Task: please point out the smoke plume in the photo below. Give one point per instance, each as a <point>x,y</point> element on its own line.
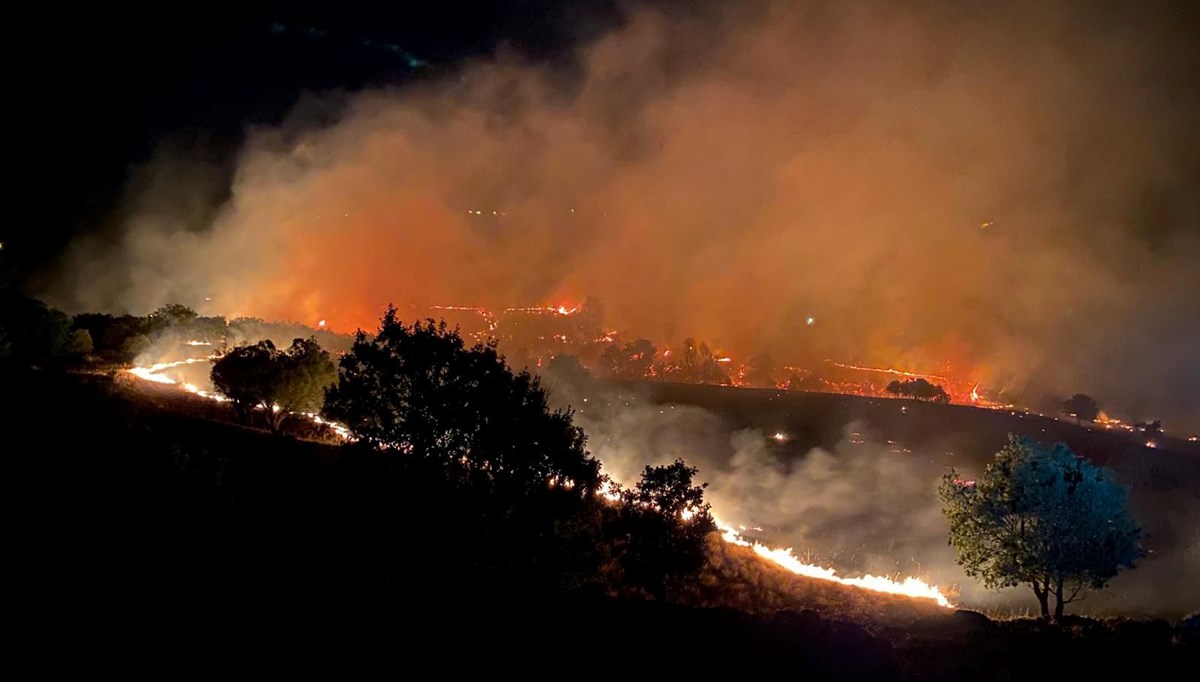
<point>1010,189</point>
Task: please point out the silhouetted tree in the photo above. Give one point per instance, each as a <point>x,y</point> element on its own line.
<point>919,389</point>
<point>565,366</point>
<point>1042,517</point>
<point>1082,407</point>
<point>81,343</point>
<point>118,339</point>
<point>244,375</point>
<point>697,364</point>
<point>277,382</point>
<point>630,361</point>
<point>419,390</point>
<point>664,526</point>
<point>34,333</point>
<point>171,315</point>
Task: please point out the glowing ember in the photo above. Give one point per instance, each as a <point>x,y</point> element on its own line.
<point>154,373</point>
<point>909,587</point>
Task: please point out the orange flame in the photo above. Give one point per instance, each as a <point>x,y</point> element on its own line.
<point>784,557</point>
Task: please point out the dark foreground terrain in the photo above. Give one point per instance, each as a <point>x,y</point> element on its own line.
<point>159,539</point>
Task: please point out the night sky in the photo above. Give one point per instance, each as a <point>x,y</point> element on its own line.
<point>107,85</point>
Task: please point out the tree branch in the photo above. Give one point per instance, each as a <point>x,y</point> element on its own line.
<point>1073,593</point>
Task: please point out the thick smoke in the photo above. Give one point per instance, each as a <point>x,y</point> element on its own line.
<point>868,505</point>
<point>1011,189</point>
<point>859,507</point>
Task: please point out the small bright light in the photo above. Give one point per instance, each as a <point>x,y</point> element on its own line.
<point>780,436</point>
<point>810,321</point>
<point>1151,444</point>
<point>321,323</point>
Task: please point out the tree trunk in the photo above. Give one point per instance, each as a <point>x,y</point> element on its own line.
<point>242,411</point>
<point>1058,600</point>
<point>1043,594</point>
<point>275,420</point>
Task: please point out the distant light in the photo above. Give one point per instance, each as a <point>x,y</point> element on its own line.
<point>1151,444</point>
<point>810,321</point>
<point>780,436</point>
<point>321,323</point>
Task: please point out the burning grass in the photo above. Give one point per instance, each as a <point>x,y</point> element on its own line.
<point>737,577</point>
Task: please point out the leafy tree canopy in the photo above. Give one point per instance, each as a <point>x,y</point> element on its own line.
<point>919,388</point>
<point>1082,407</point>
<point>420,390</point>
<point>31,333</point>
<point>665,523</point>
<point>171,315</point>
<point>698,364</point>
<point>1043,517</point>
<point>274,381</point>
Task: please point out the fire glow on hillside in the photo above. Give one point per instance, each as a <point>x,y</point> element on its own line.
<point>535,334</point>
<point>783,557</point>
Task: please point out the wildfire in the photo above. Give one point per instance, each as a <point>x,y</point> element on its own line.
<point>889,370</point>
<point>154,374</point>
<point>554,310</point>
<point>1110,423</point>
<point>909,587</point>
